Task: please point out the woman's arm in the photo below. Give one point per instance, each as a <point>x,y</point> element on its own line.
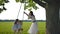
<point>26,14</point>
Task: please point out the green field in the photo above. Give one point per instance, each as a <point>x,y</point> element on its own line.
<point>6,27</point>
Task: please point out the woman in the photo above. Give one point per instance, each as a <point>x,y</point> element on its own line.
<point>33,29</point>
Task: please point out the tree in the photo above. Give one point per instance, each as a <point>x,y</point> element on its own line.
<point>29,4</point>
<point>2,3</point>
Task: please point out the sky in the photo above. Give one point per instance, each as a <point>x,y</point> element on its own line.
<point>13,9</point>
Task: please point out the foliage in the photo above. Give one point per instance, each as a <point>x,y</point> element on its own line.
<point>2,3</point>
<point>29,4</point>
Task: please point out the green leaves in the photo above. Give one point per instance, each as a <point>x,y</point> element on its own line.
<point>35,7</point>
<point>1,10</point>
<point>2,3</point>
<point>22,1</point>
<point>30,4</point>
<point>17,0</point>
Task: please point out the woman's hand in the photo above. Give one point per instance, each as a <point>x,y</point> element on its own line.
<point>24,13</point>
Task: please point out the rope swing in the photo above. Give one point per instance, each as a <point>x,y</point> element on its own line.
<point>20,9</point>
<point>20,22</point>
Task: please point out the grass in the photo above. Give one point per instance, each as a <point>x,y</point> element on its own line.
<point>6,27</point>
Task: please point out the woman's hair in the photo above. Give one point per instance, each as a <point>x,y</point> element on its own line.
<point>31,13</point>
<point>16,21</point>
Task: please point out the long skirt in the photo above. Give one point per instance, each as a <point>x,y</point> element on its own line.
<point>33,29</point>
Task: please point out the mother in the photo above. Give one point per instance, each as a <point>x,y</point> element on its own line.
<point>33,29</point>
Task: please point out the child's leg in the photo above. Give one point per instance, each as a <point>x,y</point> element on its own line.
<point>15,32</point>
<point>32,33</point>
<point>19,31</point>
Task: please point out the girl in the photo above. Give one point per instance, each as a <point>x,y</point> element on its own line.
<point>33,29</point>
<point>17,26</point>
<point>20,29</point>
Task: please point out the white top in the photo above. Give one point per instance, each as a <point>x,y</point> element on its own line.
<point>31,17</point>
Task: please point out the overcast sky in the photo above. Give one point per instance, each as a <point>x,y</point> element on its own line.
<point>13,8</point>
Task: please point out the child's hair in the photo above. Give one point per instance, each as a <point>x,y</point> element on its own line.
<point>16,21</point>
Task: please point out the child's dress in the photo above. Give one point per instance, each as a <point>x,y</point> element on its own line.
<point>33,29</point>
<point>16,26</point>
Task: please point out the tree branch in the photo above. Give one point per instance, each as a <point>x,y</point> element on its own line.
<point>40,3</point>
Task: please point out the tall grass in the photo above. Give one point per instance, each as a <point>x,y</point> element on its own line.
<point>6,27</point>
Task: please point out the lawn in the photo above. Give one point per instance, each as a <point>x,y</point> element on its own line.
<point>6,27</point>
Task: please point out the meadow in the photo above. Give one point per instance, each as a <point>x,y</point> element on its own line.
<point>6,27</point>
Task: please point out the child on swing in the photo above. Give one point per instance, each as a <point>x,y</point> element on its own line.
<point>20,29</point>
<point>17,26</point>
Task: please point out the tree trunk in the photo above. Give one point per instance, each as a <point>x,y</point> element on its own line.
<point>52,19</point>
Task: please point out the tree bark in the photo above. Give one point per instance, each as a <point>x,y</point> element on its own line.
<point>52,16</point>
<point>52,19</point>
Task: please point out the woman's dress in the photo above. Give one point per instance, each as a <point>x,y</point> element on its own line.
<point>33,29</point>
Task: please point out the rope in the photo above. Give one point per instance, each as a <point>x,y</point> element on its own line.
<point>23,13</point>
<point>19,11</point>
